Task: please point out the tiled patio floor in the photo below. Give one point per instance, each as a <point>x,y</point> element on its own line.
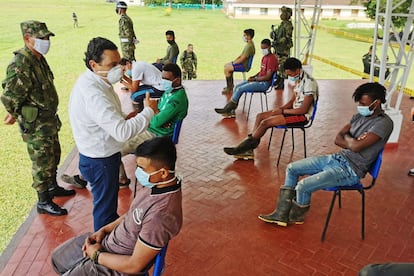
<point>222,198</point>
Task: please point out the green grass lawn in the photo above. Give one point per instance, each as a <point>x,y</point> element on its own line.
<point>216,40</point>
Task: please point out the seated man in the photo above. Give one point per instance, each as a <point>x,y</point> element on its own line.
<point>141,77</point>
<point>298,110</point>
<point>361,140</point>
<point>172,51</point>
<point>259,82</point>
<point>241,62</point>
<point>129,244</point>
<point>173,106</point>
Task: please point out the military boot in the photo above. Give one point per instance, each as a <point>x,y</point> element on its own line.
<point>280,216</point>
<point>55,190</point>
<point>298,212</point>
<point>45,205</point>
<point>249,143</point>
<point>228,110</point>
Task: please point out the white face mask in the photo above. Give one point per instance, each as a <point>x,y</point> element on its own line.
<point>244,39</point>
<point>114,75</point>
<point>265,52</point>
<point>41,46</point>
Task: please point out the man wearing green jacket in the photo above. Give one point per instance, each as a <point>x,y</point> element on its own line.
<point>173,106</point>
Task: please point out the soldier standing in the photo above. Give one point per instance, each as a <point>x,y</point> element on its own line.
<point>30,97</point>
<point>126,32</point>
<point>75,20</point>
<point>282,42</point>
<point>189,63</point>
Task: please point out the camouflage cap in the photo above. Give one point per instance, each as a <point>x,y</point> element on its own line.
<point>287,10</point>
<point>35,28</point>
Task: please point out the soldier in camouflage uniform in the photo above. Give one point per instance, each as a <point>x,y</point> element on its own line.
<point>189,63</point>
<point>126,32</point>
<point>30,97</point>
<point>282,43</point>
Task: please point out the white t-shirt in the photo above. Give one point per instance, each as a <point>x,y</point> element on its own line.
<point>147,74</point>
<point>98,124</point>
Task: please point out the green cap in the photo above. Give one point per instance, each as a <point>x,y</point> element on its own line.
<point>287,10</point>
<point>35,28</point>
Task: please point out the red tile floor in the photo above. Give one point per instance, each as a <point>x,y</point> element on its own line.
<point>222,197</point>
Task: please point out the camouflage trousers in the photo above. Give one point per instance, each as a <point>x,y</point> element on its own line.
<point>44,151</point>
<point>188,70</point>
<point>128,50</point>
<point>282,59</point>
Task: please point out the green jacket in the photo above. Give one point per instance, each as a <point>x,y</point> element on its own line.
<point>173,106</point>
<point>284,38</point>
<point>126,28</point>
<point>171,55</point>
<point>29,93</point>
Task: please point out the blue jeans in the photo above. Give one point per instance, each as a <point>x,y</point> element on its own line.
<point>102,175</point>
<point>246,86</point>
<point>324,172</point>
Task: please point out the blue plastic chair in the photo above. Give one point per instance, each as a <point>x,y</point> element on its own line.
<point>249,65</point>
<point>292,127</point>
<point>268,90</point>
<point>159,263</point>
<point>373,171</point>
<point>174,138</point>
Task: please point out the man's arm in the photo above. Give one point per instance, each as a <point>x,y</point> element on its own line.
<point>346,141</point>
<point>240,59</point>
<point>307,102</point>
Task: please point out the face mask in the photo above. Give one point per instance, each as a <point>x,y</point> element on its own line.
<point>41,46</point>
<point>364,110</point>
<point>244,39</point>
<point>265,52</point>
<point>114,75</point>
<point>166,85</point>
<point>170,41</point>
<point>128,73</point>
<point>293,79</point>
<point>143,178</point>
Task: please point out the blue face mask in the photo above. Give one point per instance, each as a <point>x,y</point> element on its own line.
<point>166,85</point>
<point>365,111</point>
<point>143,178</point>
<point>128,73</point>
<point>293,79</point>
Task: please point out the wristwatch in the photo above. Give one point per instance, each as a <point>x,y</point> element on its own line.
<point>95,256</point>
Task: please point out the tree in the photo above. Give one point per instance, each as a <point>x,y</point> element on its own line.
<point>399,22</point>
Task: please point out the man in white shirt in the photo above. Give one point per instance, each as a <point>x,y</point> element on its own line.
<point>100,128</point>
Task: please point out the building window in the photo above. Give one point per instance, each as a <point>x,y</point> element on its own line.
<point>355,12</point>
<point>263,11</point>
<point>337,12</point>
<point>245,11</point>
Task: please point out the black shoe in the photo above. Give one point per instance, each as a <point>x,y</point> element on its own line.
<point>74,180</point>
<point>411,172</point>
<point>50,208</point>
<point>232,151</point>
<point>280,85</point>
<point>59,191</point>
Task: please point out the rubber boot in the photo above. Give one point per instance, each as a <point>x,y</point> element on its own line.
<point>247,144</point>
<point>298,212</point>
<point>45,205</point>
<point>280,216</point>
<point>228,110</point>
<point>55,190</point>
<point>230,82</point>
<point>280,84</point>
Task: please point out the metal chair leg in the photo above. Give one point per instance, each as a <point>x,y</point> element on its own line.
<point>281,147</point>
<point>328,218</point>
<point>270,139</point>
<point>244,103</point>
<point>363,214</point>
<point>250,104</point>
<point>293,140</point>
<point>304,140</point>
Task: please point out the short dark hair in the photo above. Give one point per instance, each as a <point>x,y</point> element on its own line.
<point>170,32</point>
<point>95,49</point>
<point>173,68</point>
<point>292,64</point>
<point>266,41</point>
<point>373,90</point>
<point>160,150</point>
<point>249,32</point>
<point>124,61</point>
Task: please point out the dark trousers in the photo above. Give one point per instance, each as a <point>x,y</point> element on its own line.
<point>102,175</point>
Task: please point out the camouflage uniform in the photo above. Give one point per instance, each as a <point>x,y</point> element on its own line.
<point>30,97</point>
<point>189,64</point>
<point>127,37</point>
<point>282,39</point>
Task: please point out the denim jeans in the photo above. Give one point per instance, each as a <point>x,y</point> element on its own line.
<point>246,86</point>
<point>324,172</point>
<point>102,175</point>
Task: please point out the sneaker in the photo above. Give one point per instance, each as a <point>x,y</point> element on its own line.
<point>75,180</point>
<point>125,185</point>
<point>247,155</point>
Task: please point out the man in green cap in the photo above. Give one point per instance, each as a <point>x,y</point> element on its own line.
<point>30,97</point>
<point>282,43</point>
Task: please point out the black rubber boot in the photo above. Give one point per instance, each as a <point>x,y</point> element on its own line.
<point>45,205</point>
<point>247,144</point>
<point>227,109</point>
<point>230,82</point>
<point>298,212</point>
<point>280,216</point>
<point>55,190</point>
<point>280,84</point>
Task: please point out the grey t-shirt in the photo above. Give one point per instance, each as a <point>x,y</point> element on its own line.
<point>380,125</point>
<point>155,216</point>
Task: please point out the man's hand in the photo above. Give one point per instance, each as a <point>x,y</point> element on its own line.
<point>9,119</point>
<point>90,246</point>
<point>132,114</point>
<point>252,78</point>
<point>152,103</point>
